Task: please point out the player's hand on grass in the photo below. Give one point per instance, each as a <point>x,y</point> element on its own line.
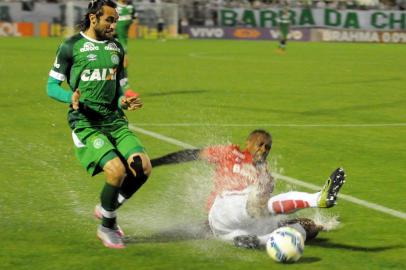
<point>131,103</point>
<point>75,99</point>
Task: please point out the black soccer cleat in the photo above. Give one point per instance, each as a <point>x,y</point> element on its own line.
<point>247,241</point>
<point>329,192</point>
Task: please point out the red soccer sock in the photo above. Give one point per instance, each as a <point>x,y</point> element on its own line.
<point>292,201</point>
<point>288,206</point>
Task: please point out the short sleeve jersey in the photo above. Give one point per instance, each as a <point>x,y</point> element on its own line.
<point>95,68</point>
<point>234,170</point>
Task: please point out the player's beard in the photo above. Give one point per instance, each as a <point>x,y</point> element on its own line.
<point>103,34</point>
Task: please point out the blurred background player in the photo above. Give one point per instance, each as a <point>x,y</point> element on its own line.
<point>241,207</point>
<point>127,14</point>
<point>92,63</point>
<point>160,27</point>
<point>284,24</point>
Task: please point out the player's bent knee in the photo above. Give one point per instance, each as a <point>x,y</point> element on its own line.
<point>115,171</point>
<point>140,162</point>
<point>141,167</point>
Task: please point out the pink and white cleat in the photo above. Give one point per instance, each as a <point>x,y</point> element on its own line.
<point>98,214</point>
<point>110,237</point>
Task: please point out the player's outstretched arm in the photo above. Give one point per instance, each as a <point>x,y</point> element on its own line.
<point>55,91</point>
<point>177,157</point>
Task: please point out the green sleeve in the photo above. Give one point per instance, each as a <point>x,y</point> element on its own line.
<point>55,91</point>
<point>63,62</point>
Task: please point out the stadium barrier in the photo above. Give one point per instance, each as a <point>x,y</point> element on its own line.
<point>296,34</point>
<point>324,25</point>
<point>244,33</point>
<point>329,35</point>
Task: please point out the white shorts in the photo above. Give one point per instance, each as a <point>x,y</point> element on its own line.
<point>228,217</point>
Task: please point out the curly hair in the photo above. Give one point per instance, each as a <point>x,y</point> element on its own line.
<point>95,7</point>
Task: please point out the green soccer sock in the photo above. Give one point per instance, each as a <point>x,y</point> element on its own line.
<point>108,198</point>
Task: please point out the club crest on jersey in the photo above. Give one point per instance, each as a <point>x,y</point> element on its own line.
<point>103,74</point>
<point>112,47</point>
<point>115,59</point>
<point>88,47</point>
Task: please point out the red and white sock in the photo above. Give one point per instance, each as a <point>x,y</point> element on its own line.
<point>290,202</point>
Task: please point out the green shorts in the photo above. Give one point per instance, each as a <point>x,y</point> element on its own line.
<point>97,145</point>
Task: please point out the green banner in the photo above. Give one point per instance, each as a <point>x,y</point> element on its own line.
<point>331,18</point>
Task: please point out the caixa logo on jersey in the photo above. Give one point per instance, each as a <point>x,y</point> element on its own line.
<point>103,74</point>
<point>88,47</point>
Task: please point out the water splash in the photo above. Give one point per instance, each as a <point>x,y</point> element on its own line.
<point>329,221</point>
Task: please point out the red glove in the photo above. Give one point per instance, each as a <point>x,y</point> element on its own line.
<point>130,93</point>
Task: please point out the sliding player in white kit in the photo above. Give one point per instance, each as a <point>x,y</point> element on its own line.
<point>241,206</point>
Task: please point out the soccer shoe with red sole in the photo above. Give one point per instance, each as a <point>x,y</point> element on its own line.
<point>110,237</point>
<point>98,214</point>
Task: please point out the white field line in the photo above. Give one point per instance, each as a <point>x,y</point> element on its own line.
<point>288,179</point>
<point>268,125</point>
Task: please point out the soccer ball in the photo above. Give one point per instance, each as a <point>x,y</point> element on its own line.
<point>285,245</point>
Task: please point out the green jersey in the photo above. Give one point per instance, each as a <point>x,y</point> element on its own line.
<point>96,69</point>
<point>125,12</point>
<point>284,22</point>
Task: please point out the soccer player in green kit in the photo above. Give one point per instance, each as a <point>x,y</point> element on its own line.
<point>92,63</point>
<point>126,13</point>
<point>283,23</point>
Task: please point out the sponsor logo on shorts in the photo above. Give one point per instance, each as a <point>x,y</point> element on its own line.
<point>88,47</point>
<point>98,143</point>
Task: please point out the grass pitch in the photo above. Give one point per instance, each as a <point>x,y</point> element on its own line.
<point>327,105</point>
